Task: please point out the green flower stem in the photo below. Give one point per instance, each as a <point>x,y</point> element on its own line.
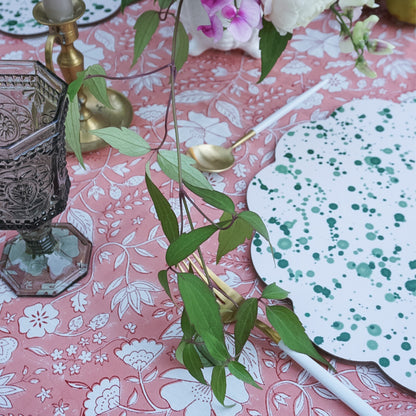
<point>346,30</point>
<point>173,74</point>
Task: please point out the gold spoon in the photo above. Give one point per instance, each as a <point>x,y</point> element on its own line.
<point>212,158</point>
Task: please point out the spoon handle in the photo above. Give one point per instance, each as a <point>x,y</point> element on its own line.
<point>251,133</point>
<point>289,107</point>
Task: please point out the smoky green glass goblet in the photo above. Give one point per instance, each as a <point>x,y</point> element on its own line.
<point>44,258</point>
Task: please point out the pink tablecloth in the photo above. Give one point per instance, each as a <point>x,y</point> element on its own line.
<point>106,345</point>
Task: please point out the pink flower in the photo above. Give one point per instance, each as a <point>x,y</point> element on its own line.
<point>214,6</point>
<point>214,30</point>
<point>240,20</point>
<point>243,19</point>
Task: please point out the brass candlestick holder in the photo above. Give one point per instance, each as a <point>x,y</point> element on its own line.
<point>94,115</point>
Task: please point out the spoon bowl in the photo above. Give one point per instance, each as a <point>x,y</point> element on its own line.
<point>212,158</point>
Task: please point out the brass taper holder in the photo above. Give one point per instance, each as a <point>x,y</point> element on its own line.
<point>94,115</point>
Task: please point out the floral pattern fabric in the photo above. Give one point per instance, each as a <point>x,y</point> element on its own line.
<point>106,345</point>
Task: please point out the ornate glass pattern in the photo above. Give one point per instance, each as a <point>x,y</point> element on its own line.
<point>34,182</point>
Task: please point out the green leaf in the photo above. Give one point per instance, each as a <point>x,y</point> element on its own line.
<point>187,243</point>
<point>219,383</point>
<point>231,237</point>
<point>193,362</point>
<point>72,129</point>
<point>245,319</point>
<point>214,198</point>
<point>179,351</point>
<point>290,329</point>
<point>187,328</point>
<point>256,222</point>
<point>164,210</point>
<point>163,280</point>
<point>206,358</point>
<point>272,44</point>
<point>75,85</point>
<point>239,371</point>
<point>146,26</point>
<point>125,3</point>
<point>273,291</point>
<point>97,85</point>
<point>200,305</point>
<point>182,47</point>
<point>216,347</point>
<point>164,4</point>
<point>124,140</point>
<point>168,162</point>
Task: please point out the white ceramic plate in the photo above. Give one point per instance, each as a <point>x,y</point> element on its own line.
<point>16,17</point>
<point>340,206</point>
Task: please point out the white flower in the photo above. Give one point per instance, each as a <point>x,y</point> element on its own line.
<point>71,350</point>
<point>38,320</point>
<point>316,43</point>
<point>344,4</point>
<point>6,294</point>
<point>139,353</point>
<point>85,356</point>
<point>399,68</point>
<point>216,181</point>
<point>14,55</point>
<point>104,396</point>
<point>146,82</point>
<point>151,113</point>
<point>74,369</point>
<point>133,295</point>
<point>56,354</point>
<point>44,394</point>
<point>7,346</point>
<point>336,82</point>
<point>296,67</point>
<point>408,97</point>
<point>95,192</point>
<point>59,368</point>
<point>201,129</point>
<point>197,399</point>
<point>287,15</point>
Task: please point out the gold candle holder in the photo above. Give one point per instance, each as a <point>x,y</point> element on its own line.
<point>94,115</point>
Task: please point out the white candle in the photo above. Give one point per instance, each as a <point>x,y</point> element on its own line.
<point>58,10</point>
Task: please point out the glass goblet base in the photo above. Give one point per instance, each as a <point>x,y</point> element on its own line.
<point>32,271</point>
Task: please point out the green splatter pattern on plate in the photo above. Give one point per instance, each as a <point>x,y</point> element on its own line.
<point>340,205</point>
<point>16,17</point>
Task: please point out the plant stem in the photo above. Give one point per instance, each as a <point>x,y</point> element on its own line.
<point>173,73</point>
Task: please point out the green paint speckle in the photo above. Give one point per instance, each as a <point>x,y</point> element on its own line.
<point>318,340</point>
<point>283,263</point>
<point>320,289</point>
<point>282,169</point>
<point>384,362</point>
<point>406,346</point>
<point>410,285</point>
<point>284,244</point>
<point>344,336</point>
<point>399,217</point>
<point>374,330</point>
<point>331,222</point>
<point>372,345</point>
<point>364,270</point>
<point>338,325</point>
<point>342,244</point>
